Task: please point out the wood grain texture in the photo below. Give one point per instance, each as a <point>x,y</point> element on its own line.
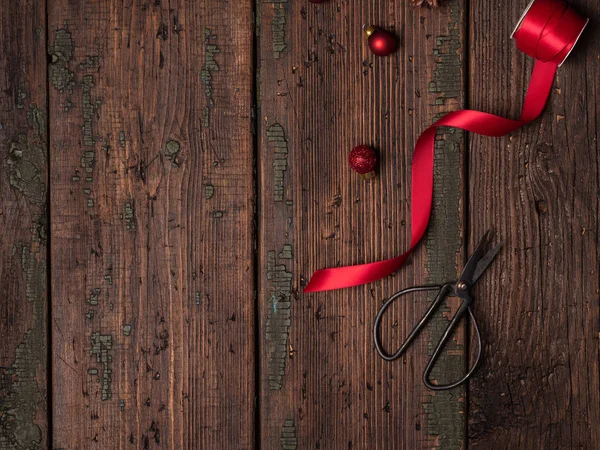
<point>322,92</point>
<point>539,187</point>
<point>152,238</point>
<point>152,206</point>
<point>23,225</point>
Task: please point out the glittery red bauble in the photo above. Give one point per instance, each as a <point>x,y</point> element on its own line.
<point>363,159</point>
<point>382,42</point>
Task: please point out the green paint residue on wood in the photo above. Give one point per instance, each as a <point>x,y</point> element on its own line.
<point>101,349</point>
<point>25,160</point>
<point>288,438</point>
<point>94,295</point>
<point>61,53</point>
<point>447,83</point>
<point>19,389</point>
<point>88,157</point>
<point>278,27</point>
<point>88,110</point>
<point>108,275</point>
<point>286,252</point>
<point>22,381</point>
<point>276,136</point>
<point>88,162</point>
<point>172,150</point>
<point>446,409</point>
<point>257,19</point>
<point>67,105</point>
<point>209,191</point>
<point>279,318</point>
<point>22,95</point>
<point>210,66</point>
<point>91,62</point>
<point>37,119</point>
<point>129,215</point>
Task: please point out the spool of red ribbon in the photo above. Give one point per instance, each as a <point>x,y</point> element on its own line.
<point>547,31</point>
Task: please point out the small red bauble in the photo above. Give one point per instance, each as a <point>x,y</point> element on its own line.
<point>363,160</point>
<point>381,42</point>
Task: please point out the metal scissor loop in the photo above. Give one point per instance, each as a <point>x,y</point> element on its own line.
<point>474,268</point>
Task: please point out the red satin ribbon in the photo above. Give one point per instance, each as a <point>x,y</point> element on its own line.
<point>548,32</point>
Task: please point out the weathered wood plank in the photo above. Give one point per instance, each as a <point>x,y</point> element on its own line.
<point>539,187</point>
<point>321,93</point>
<point>23,224</point>
<point>152,206</point>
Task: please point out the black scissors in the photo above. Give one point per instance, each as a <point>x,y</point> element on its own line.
<point>476,265</point>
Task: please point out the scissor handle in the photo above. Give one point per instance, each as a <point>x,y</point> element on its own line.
<point>463,308</point>
<point>443,292</point>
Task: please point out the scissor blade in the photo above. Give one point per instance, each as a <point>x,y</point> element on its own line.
<point>476,256</point>
<point>485,262</point>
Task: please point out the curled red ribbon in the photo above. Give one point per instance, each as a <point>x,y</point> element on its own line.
<point>548,32</point>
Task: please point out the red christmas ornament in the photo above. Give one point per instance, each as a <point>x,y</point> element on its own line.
<point>363,160</point>
<point>381,42</point>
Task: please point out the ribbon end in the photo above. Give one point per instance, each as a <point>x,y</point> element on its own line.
<point>315,283</point>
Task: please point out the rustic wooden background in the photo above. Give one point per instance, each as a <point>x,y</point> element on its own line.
<point>172,172</point>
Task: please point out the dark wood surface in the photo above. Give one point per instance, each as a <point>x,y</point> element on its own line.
<point>24,401</point>
<point>151,216</point>
<point>539,386</point>
<point>321,92</point>
<point>182,168</point>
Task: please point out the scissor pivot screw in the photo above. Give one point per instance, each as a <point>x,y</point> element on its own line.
<point>462,286</point>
